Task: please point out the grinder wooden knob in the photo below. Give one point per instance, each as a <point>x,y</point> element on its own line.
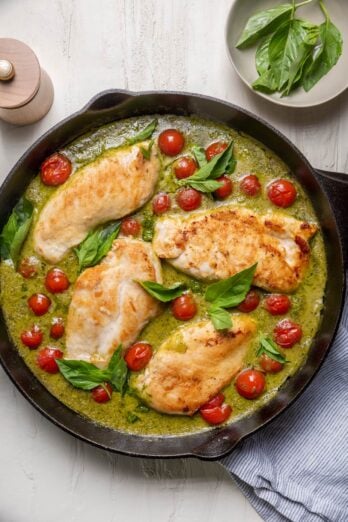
<point>26,90</point>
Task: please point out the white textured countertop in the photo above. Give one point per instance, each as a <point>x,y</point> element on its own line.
<point>88,46</point>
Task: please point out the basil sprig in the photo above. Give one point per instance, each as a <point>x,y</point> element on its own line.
<point>147,152</point>
<point>226,294</point>
<point>204,179</point>
<point>162,293</point>
<point>199,154</point>
<point>96,245</point>
<point>16,229</point>
<point>143,135</point>
<point>268,347</point>
<point>87,376</point>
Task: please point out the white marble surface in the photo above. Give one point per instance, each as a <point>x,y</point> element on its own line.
<point>88,46</point>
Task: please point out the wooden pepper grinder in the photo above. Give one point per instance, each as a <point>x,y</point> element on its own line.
<point>26,90</point>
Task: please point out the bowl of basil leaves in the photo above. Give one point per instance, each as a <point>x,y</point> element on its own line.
<point>290,53</point>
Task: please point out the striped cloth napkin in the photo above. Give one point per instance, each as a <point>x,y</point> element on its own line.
<point>296,468</point>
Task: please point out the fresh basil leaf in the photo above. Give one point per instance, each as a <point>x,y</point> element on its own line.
<point>220,318</point>
<point>117,371</point>
<point>145,134</point>
<point>147,152</point>
<point>205,186</point>
<point>132,417</point>
<point>265,83</point>
<point>81,374</point>
<point>162,293</point>
<point>268,347</point>
<point>263,23</point>
<point>231,291</point>
<point>16,230</point>
<point>262,56</point>
<point>96,245</point>
<point>199,154</point>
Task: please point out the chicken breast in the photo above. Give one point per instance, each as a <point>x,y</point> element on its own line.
<point>194,364</point>
<point>109,188</point>
<point>216,244</point>
<point>107,306</point>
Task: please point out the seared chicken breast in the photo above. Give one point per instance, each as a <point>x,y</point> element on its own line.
<point>194,364</point>
<point>107,306</point>
<point>216,244</point>
<point>109,188</point>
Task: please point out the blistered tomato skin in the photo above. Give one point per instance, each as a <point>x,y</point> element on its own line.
<point>28,267</point>
<point>287,333</point>
<point>100,394</point>
<point>189,199</point>
<point>138,356</point>
<point>277,304</point>
<point>39,304</point>
<point>56,281</point>
<point>57,328</point>
<point>250,384</point>
<point>225,190</point>
<point>32,338</point>
<point>282,193</point>
<point>250,303</point>
<point>215,401</point>
<point>161,203</point>
<point>214,149</point>
<point>217,414</point>
<point>184,167</point>
<point>250,185</point>
<point>184,307</point>
<point>171,142</point>
<point>55,170</point>
<point>46,359</point>
<point>269,365</point>
<point>130,227</point>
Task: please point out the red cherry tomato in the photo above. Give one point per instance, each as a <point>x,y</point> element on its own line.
<point>250,303</point>
<point>277,304</point>
<point>214,149</point>
<point>250,384</point>
<point>270,365</point>
<point>282,193</point>
<point>57,328</point>
<point>161,203</point>
<point>171,142</point>
<point>185,167</point>
<point>56,281</point>
<point>215,401</point>
<point>55,170</point>
<point>32,338</point>
<point>216,415</point>
<point>28,267</point>
<point>130,227</point>
<point>184,307</point>
<point>226,189</point>
<point>39,303</point>
<point>287,333</point>
<point>100,394</point>
<point>46,359</point>
<point>189,199</point>
<point>250,185</point>
<point>138,355</point>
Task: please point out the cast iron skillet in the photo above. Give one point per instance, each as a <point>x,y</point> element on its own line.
<point>114,105</point>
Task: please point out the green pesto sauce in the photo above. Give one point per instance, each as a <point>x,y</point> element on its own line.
<point>307,301</point>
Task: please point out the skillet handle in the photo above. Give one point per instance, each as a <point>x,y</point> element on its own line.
<point>107,100</point>
<point>335,185</point>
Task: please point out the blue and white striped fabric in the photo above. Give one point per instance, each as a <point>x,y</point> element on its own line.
<point>296,469</point>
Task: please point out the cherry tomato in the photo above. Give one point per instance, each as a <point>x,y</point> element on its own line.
<point>32,338</point>
<point>250,303</point>
<point>215,401</point>
<point>56,281</point>
<point>226,189</point>
<point>130,227</point>
<point>102,393</point>
<point>161,203</point>
<point>270,365</point>
<point>277,304</point>
<point>282,193</point>
<point>55,170</point>
<point>189,199</point>
<point>214,149</point>
<point>138,355</point>
<point>250,384</point>
<point>28,267</point>
<point>171,142</point>
<point>184,307</point>
<point>250,185</point>
<point>216,415</point>
<point>287,333</point>
<point>185,167</point>
<point>57,328</point>
<point>46,359</point>
<point>39,303</point>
